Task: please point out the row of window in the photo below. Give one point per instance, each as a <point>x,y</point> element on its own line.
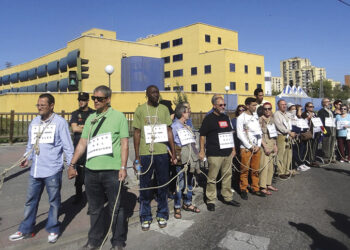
<point>178,41</point>
<point>207,70</point>
<point>207,87</point>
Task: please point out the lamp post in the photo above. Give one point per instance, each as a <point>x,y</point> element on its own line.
<point>227,88</point>
<point>109,69</point>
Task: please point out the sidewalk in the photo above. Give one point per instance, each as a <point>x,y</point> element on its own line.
<point>74,218</point>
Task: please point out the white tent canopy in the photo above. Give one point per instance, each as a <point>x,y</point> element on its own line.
<point>289,91</point>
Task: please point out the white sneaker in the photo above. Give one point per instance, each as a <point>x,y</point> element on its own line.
<point>341,161</point>
<point>52,238</point>
<point>306,167</point>
<point>302,168</point>
<point>17,236</point>
<point>233,190</point>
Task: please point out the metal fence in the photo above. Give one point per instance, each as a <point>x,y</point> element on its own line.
<point>14,126</point>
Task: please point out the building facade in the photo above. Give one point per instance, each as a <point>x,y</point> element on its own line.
<point>268,88</point>
<point>204,58</point>
<point>276,83</point>
<point>347,80</point>
<point>298,71</point>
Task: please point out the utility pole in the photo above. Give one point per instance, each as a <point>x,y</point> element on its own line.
<point>321,84</point>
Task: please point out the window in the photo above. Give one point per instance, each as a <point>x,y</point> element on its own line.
<point>165,45</point>
<point>178,72</point>
<point>232,67</point>
<point>166,59</point>
<point>194,87</point>
<point>176,88</point>
<point>166,74</point>
<point>194,71</point>
<point>208,86</point>
<point>246,69</point>
<point>207,69</point>
<point>177,42</point>
<point>207,38</point>
<point>258,70</point>
<point>219,40</point>
<point>232,85</point>
<point>177,57</point>
<point>259,86</point>
<point>246,86</point>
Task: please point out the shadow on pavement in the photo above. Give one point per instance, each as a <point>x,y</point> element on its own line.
<point>320,241</point>
<point>69,209</point>
<point>338,170</point>
<point>16,174</point>
<point>341,221</point>
<point>128,202</point>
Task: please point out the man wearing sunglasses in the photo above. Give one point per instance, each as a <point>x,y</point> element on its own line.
<point>217,143</point>
<point>105,137</point>
<point>48,139</point>
<point>329,137</point>
<point>151,153</point>
<point>77,122</point>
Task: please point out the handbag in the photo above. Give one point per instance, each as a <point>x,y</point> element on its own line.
<point>306,136</point>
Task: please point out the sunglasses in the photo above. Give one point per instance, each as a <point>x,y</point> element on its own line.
<point>99,98</point>
<point>269,109</point>
<point>222,105</point>
<point>310,106</point>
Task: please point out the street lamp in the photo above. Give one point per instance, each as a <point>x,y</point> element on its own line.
<point>109,69</point>
<point>227,88</point>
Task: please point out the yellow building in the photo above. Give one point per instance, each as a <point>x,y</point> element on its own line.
<point>99,47</point>
<point>201,57</point>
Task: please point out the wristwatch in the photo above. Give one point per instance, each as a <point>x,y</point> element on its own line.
<point>122,168</point>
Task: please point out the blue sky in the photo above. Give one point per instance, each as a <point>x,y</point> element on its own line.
<point>277,29</point>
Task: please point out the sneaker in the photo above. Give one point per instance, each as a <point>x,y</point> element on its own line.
<point>306,167</point>
<point>88,246</point>
<point>145,225</point>
<point>52,238</point>
<point>341,161</point>
<point>19,236</point>
<point>161,222</point>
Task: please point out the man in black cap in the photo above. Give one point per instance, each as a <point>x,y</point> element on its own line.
<point>77,122</point>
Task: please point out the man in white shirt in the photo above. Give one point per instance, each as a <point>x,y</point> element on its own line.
<point>250,134</point>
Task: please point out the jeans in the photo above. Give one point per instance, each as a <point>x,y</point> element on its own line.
<point>98,185</point>
<point>160,167</point>
<point>187,198</point>
<point>35,189</point>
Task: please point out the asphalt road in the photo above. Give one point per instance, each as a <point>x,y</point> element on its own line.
<point>310,211</point>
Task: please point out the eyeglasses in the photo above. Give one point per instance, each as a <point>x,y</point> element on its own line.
<point>99,98</point>
<point>344,109</point>
<point>269,109</point>
<point>310,106</point>
<point>222,105</point>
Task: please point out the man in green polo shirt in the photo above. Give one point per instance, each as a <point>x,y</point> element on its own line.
<point>152,134</point>
<point>105,135</point>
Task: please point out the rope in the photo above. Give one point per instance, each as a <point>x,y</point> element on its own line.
<point>114,207</point>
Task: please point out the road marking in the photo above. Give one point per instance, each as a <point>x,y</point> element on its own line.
<point>175,227</point>
<point>244,241</point>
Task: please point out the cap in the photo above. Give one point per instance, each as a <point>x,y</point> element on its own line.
<point>83,96</point>
<point>290,104</point>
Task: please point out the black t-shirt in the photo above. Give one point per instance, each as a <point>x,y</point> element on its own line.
<point>79,117</point>
<point>212,125</point>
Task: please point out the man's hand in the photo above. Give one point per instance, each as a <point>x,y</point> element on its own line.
<point>122,174</point>
<point>24,163</point>
<point>173,159</point>
<point>267,152</point>
<point>71,172</point>
<point>275,149</point>
<point>201,155</point>
<point>255,149</point>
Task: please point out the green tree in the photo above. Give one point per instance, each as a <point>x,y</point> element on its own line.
<point>275,92</point>
<point>180,95</point>
<point>327,89</point>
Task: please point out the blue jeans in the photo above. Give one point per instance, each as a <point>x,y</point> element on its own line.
<point>35,189</point>
<point>186,197</point>
<point>98,185</point>
<point>160,167</point>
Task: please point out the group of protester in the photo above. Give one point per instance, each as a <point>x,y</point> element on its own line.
<point>252,143</point>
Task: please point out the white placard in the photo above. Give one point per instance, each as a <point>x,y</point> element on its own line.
<point>301,123</point>
<point>317,121</point>
<point>272,130</point>
<point>100,145</point>
<point>47,137</point>
<point>342,124</point>
<point>330,122</point>
<point>348,133</point>
<point>226,140</point>
<point>158,132</point>
<point>186,137</point>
